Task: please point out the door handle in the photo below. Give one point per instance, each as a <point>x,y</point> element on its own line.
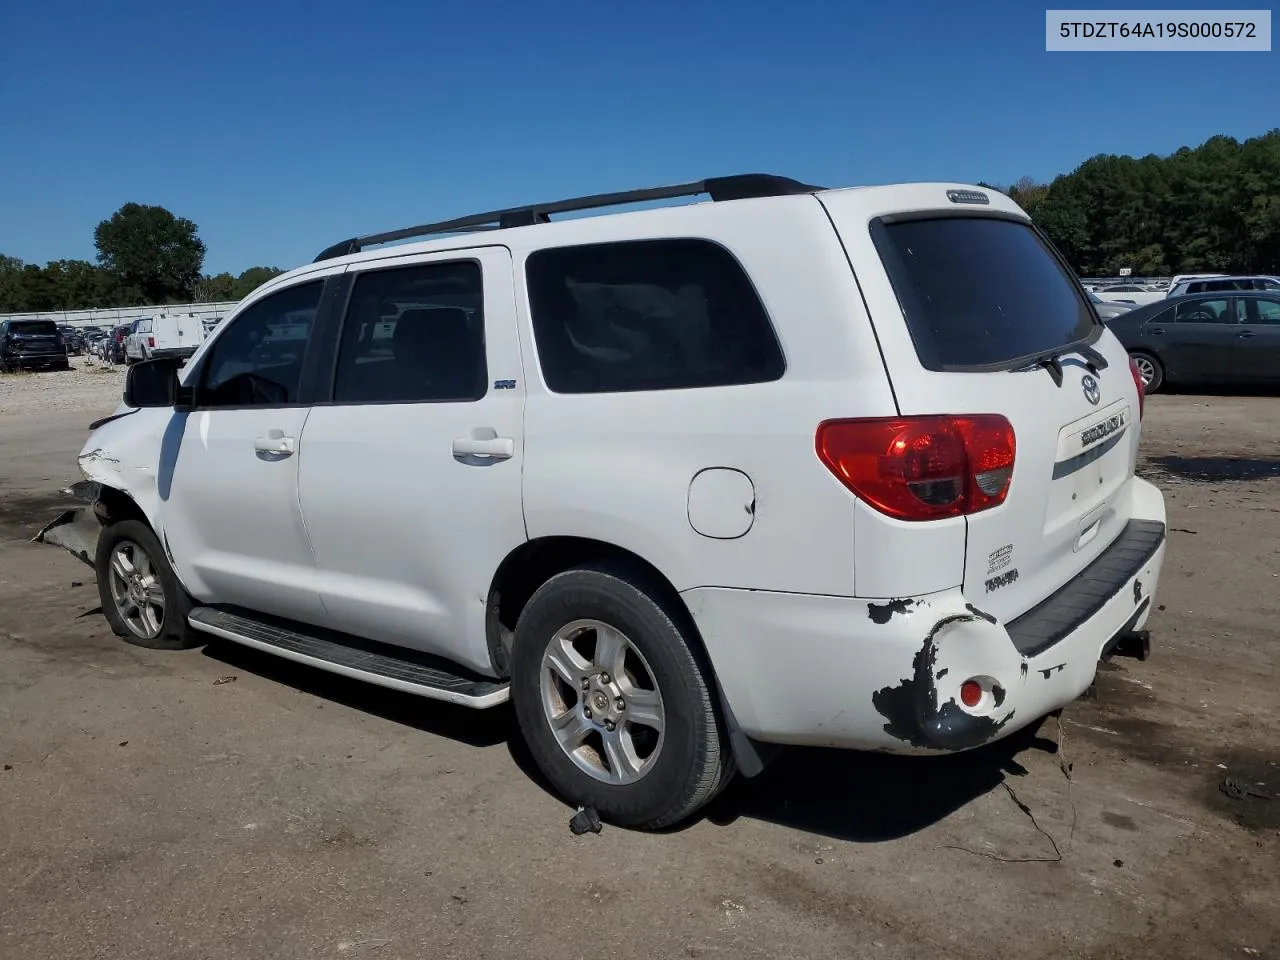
<point>499,448</point>
<point>1156,331</point>
<point>275,445</point>
<point>1245,334</point>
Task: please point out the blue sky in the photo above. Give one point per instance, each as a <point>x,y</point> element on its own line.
<point>281,127</point>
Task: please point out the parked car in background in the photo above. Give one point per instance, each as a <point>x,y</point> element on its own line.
<point>1183,277</point>
<point>164,335</point>
<point>1219,284</point>
<point>1108,309</point>
<point>72,339</point>
<point>31,345</point>
<point>93,336</point>
<point>113,352</point>
<point>1129,293</point>
<point>1227,338</point>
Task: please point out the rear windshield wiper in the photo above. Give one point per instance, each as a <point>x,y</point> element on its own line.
<point>1052,361</point>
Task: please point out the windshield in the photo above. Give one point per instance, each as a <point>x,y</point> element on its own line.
<point>980,291</point>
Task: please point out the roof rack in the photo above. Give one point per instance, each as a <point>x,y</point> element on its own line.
<point>738,187</point>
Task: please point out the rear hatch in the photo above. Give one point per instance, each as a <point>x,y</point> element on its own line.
<point>34,337</point>
<point>977,314</point>
<point>190,332</point>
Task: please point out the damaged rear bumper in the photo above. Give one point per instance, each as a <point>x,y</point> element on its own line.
<point>886,675</point>
<point>76,530</point>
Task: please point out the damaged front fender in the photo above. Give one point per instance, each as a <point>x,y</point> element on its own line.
<point>119,462</point>
<point>76,530</point>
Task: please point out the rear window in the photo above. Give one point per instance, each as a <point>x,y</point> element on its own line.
<point>980,291</point>
<point>43,327</point>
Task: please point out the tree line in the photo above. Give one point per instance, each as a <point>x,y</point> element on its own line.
<point>1211,208</point>
<point>1214,208</point>
<point>146,255</point>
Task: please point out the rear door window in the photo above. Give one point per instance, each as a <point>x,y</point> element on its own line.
<point>671,314</point>
<point>1262,311</point>
<point>980,292</point>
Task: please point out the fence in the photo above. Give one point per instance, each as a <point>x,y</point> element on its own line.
<point>110,316</point>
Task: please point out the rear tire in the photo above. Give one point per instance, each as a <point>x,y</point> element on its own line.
<point>141,597</point>
<point>1150,369</point>
<point>613,700</point>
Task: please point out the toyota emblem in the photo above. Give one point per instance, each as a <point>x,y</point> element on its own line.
<point>1092,392</point>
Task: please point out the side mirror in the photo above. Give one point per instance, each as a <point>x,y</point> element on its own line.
<point>153,383</point>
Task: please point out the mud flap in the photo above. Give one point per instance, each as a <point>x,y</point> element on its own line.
<point>76,531</point>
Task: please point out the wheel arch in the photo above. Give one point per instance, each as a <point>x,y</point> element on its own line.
<point>114,504</point>
<point>536,561</point>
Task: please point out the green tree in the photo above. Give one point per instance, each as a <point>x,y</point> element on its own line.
<point>224,287</point>
<point>219,288</point>
<point>1215,207</point>
<point>154,256</point>
<point>11,289</point>
<point>253,278</point>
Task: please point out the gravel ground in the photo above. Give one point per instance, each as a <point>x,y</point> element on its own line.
<point>218,803</point>
<point>86,386</point>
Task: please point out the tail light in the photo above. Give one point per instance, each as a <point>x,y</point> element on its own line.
<point>151,342</point>
<point>1142,387</point>
<point>922,468</point>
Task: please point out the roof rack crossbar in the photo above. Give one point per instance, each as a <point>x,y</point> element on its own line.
<point>739,187</point>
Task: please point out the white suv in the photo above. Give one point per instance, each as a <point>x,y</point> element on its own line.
<point>847,467</point>
<point>1214,284</point>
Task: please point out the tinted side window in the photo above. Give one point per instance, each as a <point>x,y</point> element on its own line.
<point>1262,311</point>
<point>648,315</point>
<point>414,335</point>
<point>258,360</point>
<point>1203,311</point>
<point>981,291</point>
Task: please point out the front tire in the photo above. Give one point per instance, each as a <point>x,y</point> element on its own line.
<point>613,700</point>
<point>1150,369</point>
<point>141,597</point>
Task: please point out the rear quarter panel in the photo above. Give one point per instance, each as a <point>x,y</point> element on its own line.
<point>618,467</point>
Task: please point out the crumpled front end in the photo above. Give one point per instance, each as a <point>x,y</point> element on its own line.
<point>77,530</point>
<point>119,462</point>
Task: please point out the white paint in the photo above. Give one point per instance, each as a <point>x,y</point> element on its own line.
<point>406,535</point>
<point>1039,517</point>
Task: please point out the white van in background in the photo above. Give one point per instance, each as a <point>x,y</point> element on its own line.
<point>164,335</point>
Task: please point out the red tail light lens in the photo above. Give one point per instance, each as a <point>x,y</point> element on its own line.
<point>1142,388</point>
<point>151,342</point>
<point>922,468</point>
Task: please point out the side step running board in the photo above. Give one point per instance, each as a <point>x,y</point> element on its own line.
<point>379,663</point>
